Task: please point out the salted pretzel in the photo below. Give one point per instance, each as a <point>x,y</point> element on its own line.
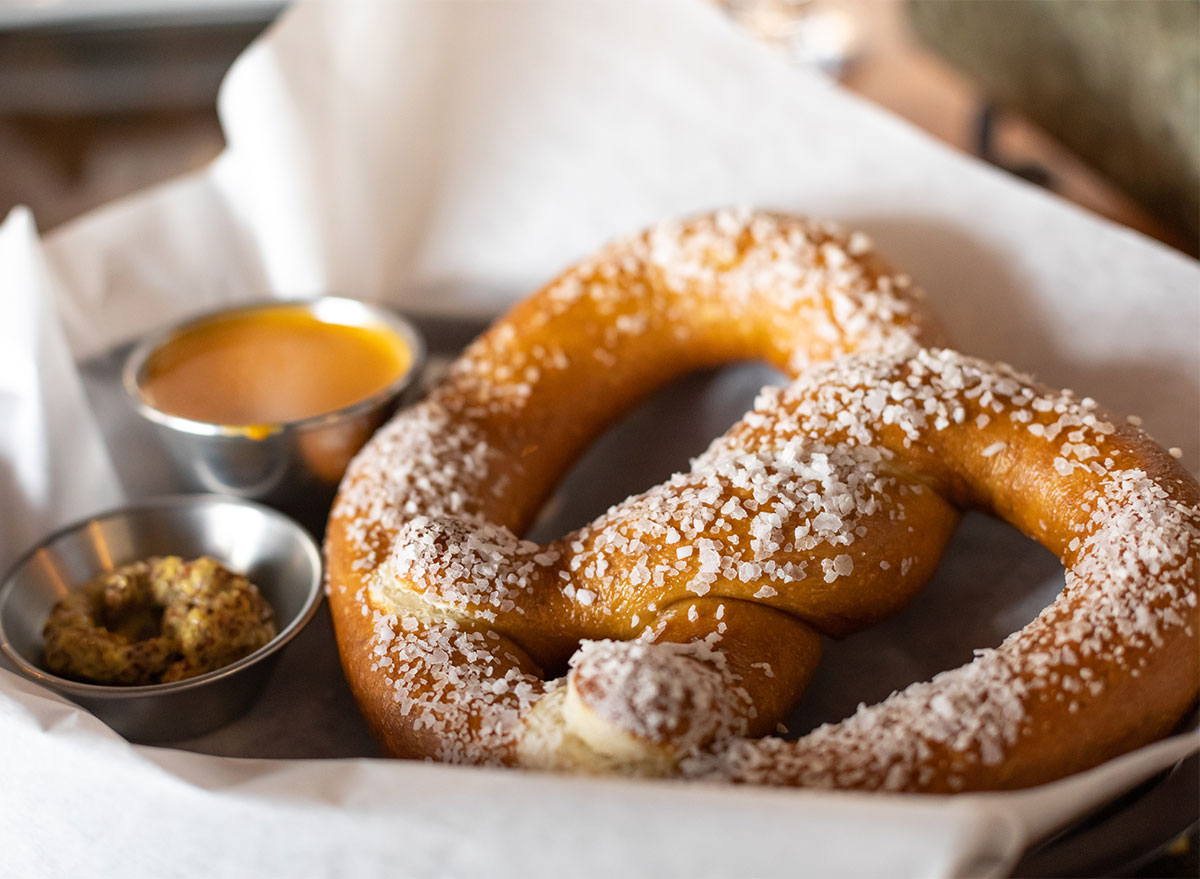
<point>671,634</point>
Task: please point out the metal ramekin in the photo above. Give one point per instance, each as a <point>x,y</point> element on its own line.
<point>295,465</point>
<point>276,553</point>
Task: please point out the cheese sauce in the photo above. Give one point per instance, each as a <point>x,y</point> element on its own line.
<point>269,366</point>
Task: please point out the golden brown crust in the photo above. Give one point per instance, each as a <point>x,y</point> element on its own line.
<point>699,602</point>
<point>1110,665</point>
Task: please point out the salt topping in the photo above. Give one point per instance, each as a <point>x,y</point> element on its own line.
<point>679,693</point>
<point>1131,526</point>
<point>780,508</point>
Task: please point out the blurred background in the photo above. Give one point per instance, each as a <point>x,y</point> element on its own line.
<point>1097,100</point>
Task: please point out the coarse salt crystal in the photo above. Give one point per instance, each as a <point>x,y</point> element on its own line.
<point>993,449</point>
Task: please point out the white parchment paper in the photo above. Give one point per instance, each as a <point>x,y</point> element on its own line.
<point>450,156</point>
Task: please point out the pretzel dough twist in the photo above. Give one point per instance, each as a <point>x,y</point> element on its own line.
<point>699,604</point>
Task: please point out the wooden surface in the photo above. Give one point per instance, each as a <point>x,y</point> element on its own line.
<point>898,73</point>
<point>63,166</point>
<point>1118,82</point>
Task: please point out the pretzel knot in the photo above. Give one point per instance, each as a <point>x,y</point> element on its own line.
<point>673,632</point>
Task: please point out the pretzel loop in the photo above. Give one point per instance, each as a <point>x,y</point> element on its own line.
<point>688,618</point>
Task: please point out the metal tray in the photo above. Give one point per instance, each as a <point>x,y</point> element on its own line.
<point>307,710</point>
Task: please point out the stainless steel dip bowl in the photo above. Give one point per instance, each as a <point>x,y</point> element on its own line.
<point>294,465</point>
<point>273,551</point>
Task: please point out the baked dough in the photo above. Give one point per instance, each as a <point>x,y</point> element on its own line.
<point>687,619</point>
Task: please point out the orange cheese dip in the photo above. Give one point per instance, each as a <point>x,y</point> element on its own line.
<point>269,366</point>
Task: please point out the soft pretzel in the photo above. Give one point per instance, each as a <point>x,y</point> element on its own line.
<point>687,620</point>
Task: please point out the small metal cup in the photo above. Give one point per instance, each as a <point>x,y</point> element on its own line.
<point>294,466</point>
<point>273,551</point>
